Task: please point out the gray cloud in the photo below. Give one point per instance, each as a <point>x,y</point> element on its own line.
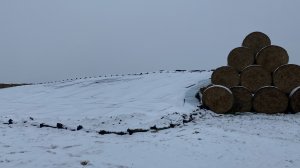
<point>42,40</point>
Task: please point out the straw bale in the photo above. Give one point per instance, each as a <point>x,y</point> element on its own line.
<point>254,77</point>
<point>218,99</point>
<point>271,57</point>
<point>226,76</point>
<point>256,41</point>
<point>287,77</point>
<point>270,100</point>
<point>240,58</point>
<point>242,99</point>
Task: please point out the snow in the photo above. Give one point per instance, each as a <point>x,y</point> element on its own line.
<point>139,101</point>
<point>245,140</point>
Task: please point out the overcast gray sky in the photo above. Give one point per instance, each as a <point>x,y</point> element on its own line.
<point>46,40</point>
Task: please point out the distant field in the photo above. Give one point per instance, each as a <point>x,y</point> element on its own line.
<point>6,85</point>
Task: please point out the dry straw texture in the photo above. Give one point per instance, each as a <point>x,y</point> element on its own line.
<point>272,57</point>
<point>254,77</point>
<point>256,41</point>
<point>241,57</point>
<point>226,76</point>
<point>242,99</point>
<point>287,77</point>
<point>295,100</point>
<point>218,99</point>
<point>254,68</point>
<point>270,100</point>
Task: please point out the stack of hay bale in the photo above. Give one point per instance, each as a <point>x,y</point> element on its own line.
<point>258,78</point>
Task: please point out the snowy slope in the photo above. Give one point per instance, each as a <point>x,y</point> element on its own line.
<point>137,101</point>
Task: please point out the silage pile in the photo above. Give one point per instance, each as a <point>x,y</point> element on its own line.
<point>257,78</point>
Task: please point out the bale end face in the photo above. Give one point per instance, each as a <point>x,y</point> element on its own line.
<point>256,41</point>
<point>271,57</point>
<point>218,98</point>
<point>270,100</point>
<point>287,77</point>
<point>225,76</point>
<point>254,77</point>
<point>241,57</point>
<point>242,99</point>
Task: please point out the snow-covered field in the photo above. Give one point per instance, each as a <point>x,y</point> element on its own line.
<point>118,103</point>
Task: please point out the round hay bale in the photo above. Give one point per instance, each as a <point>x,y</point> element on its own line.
<point>256,41</point>
<point>254,77</point>
<point>295,99</point>
<point>242,99</point>
<point>272,57</point>
<point>201,90</point>
<point>287,77</point>
<point>241,57</point>
<point>218,98</point>
<point>226,76</point>
<point>270,100</point>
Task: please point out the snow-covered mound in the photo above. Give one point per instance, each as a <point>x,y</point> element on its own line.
<point>137,101</point>
<point>109,103</point>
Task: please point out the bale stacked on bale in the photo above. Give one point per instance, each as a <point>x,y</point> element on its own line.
<point>287,77</point>
<point>271,57</point>
<point>226,76</point>
<point>256,41</point>
<point>241,57</point>
<point>259,77</point>
<point>254,77</point>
